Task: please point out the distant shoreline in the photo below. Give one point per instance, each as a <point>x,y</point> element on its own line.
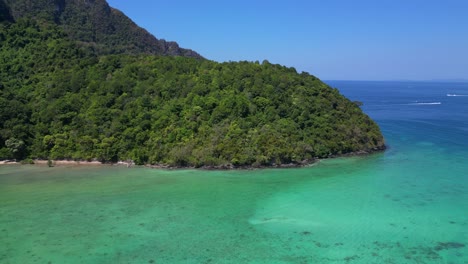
<point>128,164</point>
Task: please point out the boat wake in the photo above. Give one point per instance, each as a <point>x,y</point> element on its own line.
<point>430,103</point>
<point>457,95</point>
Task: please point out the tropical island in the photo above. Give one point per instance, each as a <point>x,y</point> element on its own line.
<point>80,81</point>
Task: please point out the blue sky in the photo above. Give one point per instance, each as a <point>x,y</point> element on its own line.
<point>333,39</point>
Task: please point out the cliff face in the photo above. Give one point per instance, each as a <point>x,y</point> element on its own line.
<point>93,23</point>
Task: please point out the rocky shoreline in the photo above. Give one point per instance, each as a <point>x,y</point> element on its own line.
<point>303,163</point>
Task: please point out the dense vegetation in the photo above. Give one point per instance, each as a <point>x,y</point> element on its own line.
<point>63,100</point>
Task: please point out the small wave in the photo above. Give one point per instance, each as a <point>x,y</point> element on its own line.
<point>453,95</point>
<point>431,103</point>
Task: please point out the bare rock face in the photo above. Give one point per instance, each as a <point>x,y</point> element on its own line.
<point>95,24</point>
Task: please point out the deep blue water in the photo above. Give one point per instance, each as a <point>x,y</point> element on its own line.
<point>432,111</point>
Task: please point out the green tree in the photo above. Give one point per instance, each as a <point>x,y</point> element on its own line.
<point>16,147</point>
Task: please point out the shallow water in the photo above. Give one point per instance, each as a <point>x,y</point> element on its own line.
<point>407,205</point>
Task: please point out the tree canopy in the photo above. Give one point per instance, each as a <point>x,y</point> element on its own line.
<point>62,100</point>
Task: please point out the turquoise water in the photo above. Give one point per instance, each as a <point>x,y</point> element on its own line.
<point>407,205</point>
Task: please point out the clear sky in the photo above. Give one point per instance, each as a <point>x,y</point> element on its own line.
<point>332,39</point>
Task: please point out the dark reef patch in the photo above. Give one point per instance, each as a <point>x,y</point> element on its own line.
<point>448,245</point>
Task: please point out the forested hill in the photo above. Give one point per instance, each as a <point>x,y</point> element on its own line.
<point>60,99</point>
<point>93,23</point>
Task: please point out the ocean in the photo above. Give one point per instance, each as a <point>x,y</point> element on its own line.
<point>408,204</point>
